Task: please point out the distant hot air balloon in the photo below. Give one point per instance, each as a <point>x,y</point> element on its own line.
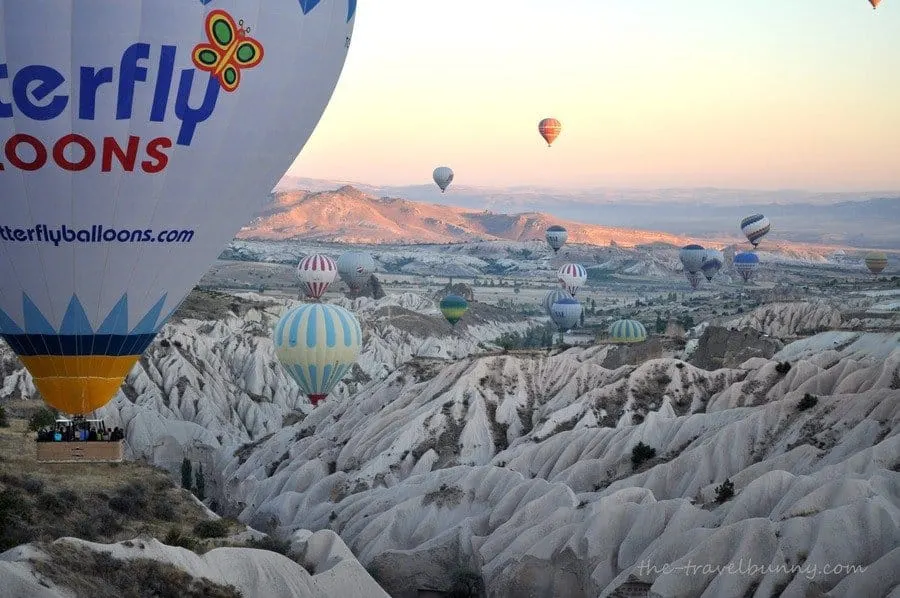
<point>692,257</point>
<point>454,307</point>
<point>755,227</point>
<point>552,297</point>
<point>571,277</point>
<point>874,3</point>
<point>627,331</point>
<point>316,273</point>
<point>694,278</point>
<point>712,264</point>
<point>443,176</point>
<point>135,134</point>
<point>746,264</point>
<point>317,343</point>
<point>355,268</point>
<point>556,237</point>
<point>876,262</point>
<point>549,129</point>
<point>565,313</point>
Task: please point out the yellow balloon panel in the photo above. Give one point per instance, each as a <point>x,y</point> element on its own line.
<point>78,384</point>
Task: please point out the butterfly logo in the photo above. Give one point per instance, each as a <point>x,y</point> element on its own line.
<point>230,49</point>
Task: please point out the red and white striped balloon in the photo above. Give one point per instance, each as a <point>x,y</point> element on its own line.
<point>571,277</point>
<point>316,273</point>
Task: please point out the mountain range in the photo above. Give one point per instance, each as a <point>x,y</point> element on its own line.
<point>348,215</point>
<point>860,220</point>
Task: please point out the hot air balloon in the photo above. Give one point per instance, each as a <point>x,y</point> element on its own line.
<point>134,134</point>
<point>755,227</point>
<point>712,264</point>
<point>316,273</point>
<point>355,268</point>
<point>627,331</point>
<point>553,296</point>
<point>874,3</point>
<point>454,307</point>
<point>692,257</point>
<point>876,262</point>
<point>746,264</point>
<point>443,176</point>
<point>317,343</point>
<point>549,129</point>
<point>556,237</point>
<point>694,278</point>
<point>571,277</point>
<point>565,313</point>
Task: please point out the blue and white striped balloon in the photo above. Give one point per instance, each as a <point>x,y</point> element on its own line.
<point>317,343</point>
<point>746,264</point>
<point>755,227</point>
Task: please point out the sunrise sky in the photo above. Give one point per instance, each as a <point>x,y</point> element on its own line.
<point>651,93</point>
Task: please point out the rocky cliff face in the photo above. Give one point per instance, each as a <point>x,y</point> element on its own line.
<point>729,347</point>
<point>434,463</point>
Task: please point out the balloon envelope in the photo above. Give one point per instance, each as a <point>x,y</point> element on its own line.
<point>627,331</point>
<point>556,237</point>
<point>692,258</point>
<point>317,343</point>
<point>746,264</point>
<point>876,261</point>
<point>453,307</point>
<point>553,296</point>
<point>572,277</point>
<point>443,176</point>
<point>355,268</point>
<point>755,227</point>
<point>134,134</point>
<point>712,264</point>
<point>549,128</point>
<point>316,273</point>
<point>566,313</point>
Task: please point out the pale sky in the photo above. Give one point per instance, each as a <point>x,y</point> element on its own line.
<point>758,94</point>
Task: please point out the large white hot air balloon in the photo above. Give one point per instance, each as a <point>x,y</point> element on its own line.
<point>443,176</point>
<point>134,136</point>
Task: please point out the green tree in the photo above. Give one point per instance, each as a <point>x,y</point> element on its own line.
<point>42,418</point>
<point>186,473</point>
<point>660,324</point>
<point>200,483</point>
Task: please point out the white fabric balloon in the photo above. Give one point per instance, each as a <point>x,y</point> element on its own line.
<point>135,136</point>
